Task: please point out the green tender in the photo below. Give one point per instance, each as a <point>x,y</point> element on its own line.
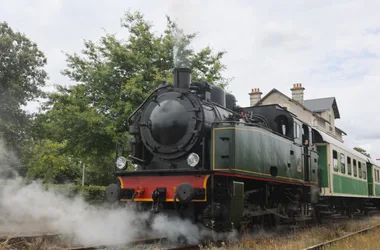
<point>257,152</point>
<point>322,165</point>
<point>346,185</point>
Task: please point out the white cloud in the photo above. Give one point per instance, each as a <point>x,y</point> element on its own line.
<point>332,48</point>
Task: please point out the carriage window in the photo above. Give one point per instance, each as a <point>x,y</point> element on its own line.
<point>335,161</point>
<point>360,169</point>
<point>355,169</point>
<point>377,174</point>
<point>349,168</point>
<point>364,172</point>
<point>342,163</point>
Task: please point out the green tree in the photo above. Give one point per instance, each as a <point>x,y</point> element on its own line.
<point>363,151</point>
<point>21,78</point>
<point>113,78</point>
<point>49,163</point>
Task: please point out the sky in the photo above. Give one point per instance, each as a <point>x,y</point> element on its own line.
<point>331,47</point>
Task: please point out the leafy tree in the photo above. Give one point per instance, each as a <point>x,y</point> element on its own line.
<point>363,151</point>
<point>49,163</point>
<point>113,78</point>
<point>21,78</point>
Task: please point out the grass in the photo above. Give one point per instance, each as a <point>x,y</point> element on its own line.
<point>306,237</point>
<point>364,241</point>
<point>38,243</point>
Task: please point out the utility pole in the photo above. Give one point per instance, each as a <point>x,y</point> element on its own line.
<point>83,166</point>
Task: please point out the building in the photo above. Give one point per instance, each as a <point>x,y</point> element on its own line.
<point>318,113</point>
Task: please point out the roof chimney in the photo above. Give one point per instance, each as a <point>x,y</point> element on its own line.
<point>255,96</point>
<point>297,92</point>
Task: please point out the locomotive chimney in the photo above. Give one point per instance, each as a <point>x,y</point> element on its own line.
<point>255,96</point>
<point>297,92</point>
<point>182,78</point>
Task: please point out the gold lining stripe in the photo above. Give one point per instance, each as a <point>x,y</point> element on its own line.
<point>257,173</point>
<point>121,182</point>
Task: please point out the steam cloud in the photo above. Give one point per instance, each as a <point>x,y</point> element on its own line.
<point>30,208</point>
<point>181,43</point>
<point>182,19</point>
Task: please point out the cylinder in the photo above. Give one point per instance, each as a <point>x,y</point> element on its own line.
<point>182,78</point>
<point>230,101</point>
<point>218,96</point>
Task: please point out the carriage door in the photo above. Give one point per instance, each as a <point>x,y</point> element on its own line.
<point>370,178</point>
<point>306,152</point>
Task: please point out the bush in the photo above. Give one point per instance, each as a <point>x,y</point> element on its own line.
<point>91,194</point>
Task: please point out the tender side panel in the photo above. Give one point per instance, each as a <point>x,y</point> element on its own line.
<point>322,165</point>
<point>314,166</point>
<point>131,184</point>
<point>347,185</point>
<point>257,152</point>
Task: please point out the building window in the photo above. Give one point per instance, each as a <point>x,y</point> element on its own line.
<point>355,169</point>
<point>342,163</point>
<point>335,161</point>
<point>349,167</point>
<point>360,170</point>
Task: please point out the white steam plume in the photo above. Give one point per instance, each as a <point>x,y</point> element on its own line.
<point>30,208</point>
<point>179,13</point>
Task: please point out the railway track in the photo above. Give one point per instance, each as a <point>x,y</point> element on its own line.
<point>133,243</point>
<point>327,243</point>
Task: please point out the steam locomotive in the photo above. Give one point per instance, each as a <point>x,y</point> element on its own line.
<point>197,154</point>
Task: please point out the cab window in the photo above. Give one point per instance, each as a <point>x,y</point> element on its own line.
<point>360,170</point>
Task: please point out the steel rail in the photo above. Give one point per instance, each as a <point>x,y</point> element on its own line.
<point>135,242</point>
<point>324,244</point>
<point>187,247</point>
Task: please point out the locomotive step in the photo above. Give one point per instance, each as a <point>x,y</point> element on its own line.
<point>322,205</point>
<point>326,212</point>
